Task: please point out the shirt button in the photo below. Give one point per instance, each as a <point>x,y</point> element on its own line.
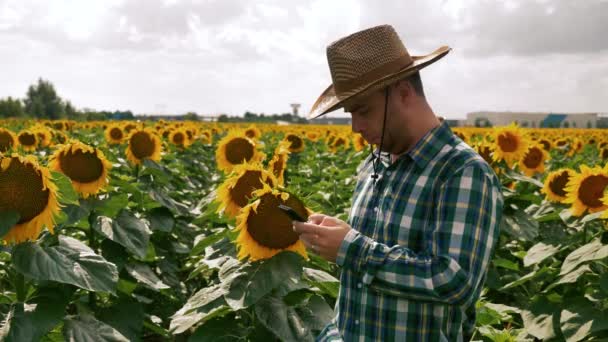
<point>357,321</point>
<point>359,285</point>
<point>375,209</point>
<point>388,173</point>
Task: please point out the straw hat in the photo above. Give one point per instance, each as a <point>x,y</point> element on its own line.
<point>366,61</point>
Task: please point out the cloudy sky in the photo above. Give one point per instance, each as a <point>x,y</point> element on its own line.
<point>229,56</point>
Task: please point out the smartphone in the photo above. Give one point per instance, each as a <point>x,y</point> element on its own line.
<point>292,213</point>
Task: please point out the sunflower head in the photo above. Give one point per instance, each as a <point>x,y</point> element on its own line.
<point>8,140</point>
<point>510,144</point>
<point>339,142</point>
<point>180,137</point>
<point>533,161</point>
<point>44,136</point>
<point>27,188</point>
<point>114,134</point>
<point>265,230</point>
<point>86,167</point>
<point>28,140</point>
<point>554,186</point>
<point>143,144</point>
<point>234,149</point>
<point>278,163</point>
<point>296,143</point>
<point>236,190</point>
<point>359,143</point>
<point>585,190</point>
<point>252,132</point>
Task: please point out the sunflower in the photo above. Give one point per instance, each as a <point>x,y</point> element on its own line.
<point>296,143</point>
<point>359,143</point>
<point>86,166</point>
<point>555,185</point>
<point>26,188</point>
<point>586,189</point>
<point>206,137</point>
<point>8,140</point>
<point>510,144</point>
<point>180,137</point>
<point>114,134</point>
<point>60,137</point>
<point>253,132</point>
<point>339,142</point>
<point>143,144</point>
<point>44,136</point>
<point>533,161</point>
<point>603,152</point>
<point>278,163</point>
<point>28,140</point>
<point>312,135</point>
<point>236,191</point>
<point>546,144</point>
<point>234,149</point>
<point>265,230</point>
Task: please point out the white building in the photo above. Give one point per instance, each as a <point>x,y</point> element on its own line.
<point>555,120</point>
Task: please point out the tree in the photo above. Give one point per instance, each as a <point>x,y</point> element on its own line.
<point>10,107</point>
<point>42,101</point>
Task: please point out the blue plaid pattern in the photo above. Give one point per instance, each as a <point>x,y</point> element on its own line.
<point>415,262</point>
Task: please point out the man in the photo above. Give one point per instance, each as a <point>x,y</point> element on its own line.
<point>425,214</point>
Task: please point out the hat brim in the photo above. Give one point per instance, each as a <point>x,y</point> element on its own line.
<point>328,101</point>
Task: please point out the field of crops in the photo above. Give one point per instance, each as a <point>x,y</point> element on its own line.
<point>160,231</point>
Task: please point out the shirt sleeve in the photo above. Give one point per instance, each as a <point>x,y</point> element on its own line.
<point>464,233</point>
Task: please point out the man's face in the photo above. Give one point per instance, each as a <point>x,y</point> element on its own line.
<point>367,115</point>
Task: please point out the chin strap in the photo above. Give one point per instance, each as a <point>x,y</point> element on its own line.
<point>375,158</point>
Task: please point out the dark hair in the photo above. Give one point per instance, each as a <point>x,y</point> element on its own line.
<point>416,82</point>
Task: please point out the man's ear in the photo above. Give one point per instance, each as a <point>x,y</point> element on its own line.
<point>404,91</point>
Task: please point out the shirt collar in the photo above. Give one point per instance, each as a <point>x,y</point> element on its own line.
<point>430,144</point>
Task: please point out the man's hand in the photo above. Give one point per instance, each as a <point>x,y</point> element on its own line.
<point>323,234</point>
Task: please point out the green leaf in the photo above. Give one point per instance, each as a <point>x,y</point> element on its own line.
<point>29,322</point>
<point>538,253</point>
<point>7,220</point>
<point>144,274</point>
<point>206,304</point>
<point>594,250</point>
<point>214,237</point>
<point>541,319</point>
<point>127,230</point>
<point>316,314</point>
<point>66,192</point>
<point>526,278</point>
<point>520,226</point>
<point>505,263</point>
<point>222,329</point>
<point>166,201</point>
<point>580,319</point>
<point>70,262</point>
<point>282,320</point>
<point>113,205</point>
<point>247,283</point>
<point>327,283</point>
<point>571,277</point>
<point>604,282</point>
<point>86,328</point>
<point>126,316</point>
<point>161,219</point>
<point>522,178</point>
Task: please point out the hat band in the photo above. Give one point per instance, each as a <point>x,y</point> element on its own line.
<point>342,87</point>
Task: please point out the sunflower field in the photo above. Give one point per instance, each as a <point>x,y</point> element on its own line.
<point>171,231</point>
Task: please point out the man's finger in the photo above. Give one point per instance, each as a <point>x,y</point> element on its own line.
<point>316,218</point>
<point>305,228</point>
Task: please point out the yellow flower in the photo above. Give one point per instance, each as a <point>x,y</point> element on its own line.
<point>234,149</point>
<point>44,136</point>
<point>296,143</point>
<point>586,189</point>
<point>28,140</point>
<point>114,134</point>
<point>179,137</point>
<point>533,161</point>
<point>86,167</point>
<point>236,191</point>
<point>252,132</point>
<point>339,142</point>
<point>265,230</point>
<point>555,185</point>
<point>143,144</point>
<point>8,140</point>
<point>278,163</point>
<point>510,144</point>
<point>359,143</point>
<point>27,188</point>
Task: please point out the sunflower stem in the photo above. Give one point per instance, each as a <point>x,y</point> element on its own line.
<point>20,287</point>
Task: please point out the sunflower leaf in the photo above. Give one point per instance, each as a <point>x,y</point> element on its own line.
<point>127,230</point>
<point>7,220</point>
<point>87,328</point>
<point>247,284</point>
<point>70,262</point>
<point>66,192</point>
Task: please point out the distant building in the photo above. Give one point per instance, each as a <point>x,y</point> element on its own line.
<point>326,120</point>
<point>533,120</point>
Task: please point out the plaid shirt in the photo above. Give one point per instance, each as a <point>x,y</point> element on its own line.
<point>415,262</point>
